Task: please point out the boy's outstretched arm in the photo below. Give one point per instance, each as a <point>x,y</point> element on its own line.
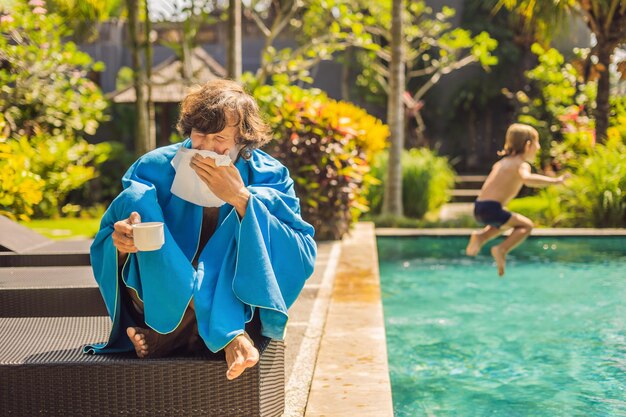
<point>536,180</point>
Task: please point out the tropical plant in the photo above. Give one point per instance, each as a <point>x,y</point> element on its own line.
<point>20,188</point>
<point>83,17</point>
<point>544,208</point>
<point>558,102</point>
<point>596,195</point>
<point>47,105</point>
<point>326,145</point>
<point>426,182</point>
<point>606,19</point>
<point>617,118</point>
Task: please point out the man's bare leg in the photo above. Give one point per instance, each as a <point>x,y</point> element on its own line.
<point>522,226</point>
<point>149,343</point>
<point>240,355</point>
<point>478,239</point>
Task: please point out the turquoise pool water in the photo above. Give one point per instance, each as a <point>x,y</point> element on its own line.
<point>548,339</point>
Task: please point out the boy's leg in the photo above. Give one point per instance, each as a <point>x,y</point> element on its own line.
<point>522,226</point>
<point>478,239</point>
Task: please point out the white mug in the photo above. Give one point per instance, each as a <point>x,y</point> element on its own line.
<point>148,236</point>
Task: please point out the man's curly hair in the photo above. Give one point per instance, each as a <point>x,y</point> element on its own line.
<point>208,109</point>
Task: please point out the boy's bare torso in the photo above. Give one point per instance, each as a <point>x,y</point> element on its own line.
<point>504,181</point>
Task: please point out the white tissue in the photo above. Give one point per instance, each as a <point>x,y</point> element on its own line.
<point>188,185</point>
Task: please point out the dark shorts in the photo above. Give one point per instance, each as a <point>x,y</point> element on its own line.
<point>490,213</point>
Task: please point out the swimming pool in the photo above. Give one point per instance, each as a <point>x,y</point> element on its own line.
<point>548,339</point>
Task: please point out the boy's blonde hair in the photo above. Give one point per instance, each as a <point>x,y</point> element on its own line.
<point>517,135</point>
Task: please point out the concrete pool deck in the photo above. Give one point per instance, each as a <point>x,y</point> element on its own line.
<point>336,347</point>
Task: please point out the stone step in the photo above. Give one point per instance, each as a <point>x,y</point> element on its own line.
<point>44,372</point>
<point>463,195</point>
<point>470,178</point>
<point>469,181</point>
<point>69,291</point>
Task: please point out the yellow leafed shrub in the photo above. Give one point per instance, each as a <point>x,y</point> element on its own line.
<point>20,189</point>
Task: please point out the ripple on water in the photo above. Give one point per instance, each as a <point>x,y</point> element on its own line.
<point>548,340</point>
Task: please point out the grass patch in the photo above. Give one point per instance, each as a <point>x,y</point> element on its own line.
<point>65,228</point>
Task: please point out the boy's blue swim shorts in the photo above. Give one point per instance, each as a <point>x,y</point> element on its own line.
<point>490,212</point>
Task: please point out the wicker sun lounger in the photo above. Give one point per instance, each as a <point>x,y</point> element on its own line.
<point>22,247</point>
<point>49,292</point>
<point>44,372</point>
<point>50,307</point>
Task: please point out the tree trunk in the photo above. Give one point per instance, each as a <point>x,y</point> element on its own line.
<point>234,40</point>
<point>151,125</point>
<point>392,203</point>
<point>604,86</point>
<point>141,117</point>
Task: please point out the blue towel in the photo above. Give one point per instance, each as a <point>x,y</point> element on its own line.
<point>260,261</point>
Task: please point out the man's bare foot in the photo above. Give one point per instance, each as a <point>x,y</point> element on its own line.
<point>240,355</point>
<point>500,259</point>
<point>473,246</point>
<point>146,342</point>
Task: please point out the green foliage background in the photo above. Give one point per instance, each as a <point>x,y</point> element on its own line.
<point>47,108</point>
<point>327,147</point>
<point>426,182</point>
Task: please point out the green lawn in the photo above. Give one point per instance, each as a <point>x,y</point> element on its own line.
<point>65,228</point>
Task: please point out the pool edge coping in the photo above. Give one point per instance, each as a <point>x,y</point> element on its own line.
<point>400,232</point>
<point>351,374</point>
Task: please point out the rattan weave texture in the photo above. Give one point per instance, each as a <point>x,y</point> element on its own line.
<point>43,372</point>
<point>67,291</point>
<point>48,277</point>
<point>51,302</point>
<point>8,260</point>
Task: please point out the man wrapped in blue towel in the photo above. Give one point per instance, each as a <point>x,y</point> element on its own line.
<point>236,247</point>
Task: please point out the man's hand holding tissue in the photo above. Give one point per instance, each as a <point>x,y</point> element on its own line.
<point>224,181</point>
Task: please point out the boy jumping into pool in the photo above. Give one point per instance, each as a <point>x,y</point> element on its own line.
<point>503,183</point>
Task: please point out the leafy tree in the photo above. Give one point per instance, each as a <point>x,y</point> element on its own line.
<point>187,18</point>
<point>84,17</point>
<point>607,21</point>
<point>309,22</point>
<point>433,49</point>
<point>476,115</point>
<point>559,97</point>
<point>47,105</point>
